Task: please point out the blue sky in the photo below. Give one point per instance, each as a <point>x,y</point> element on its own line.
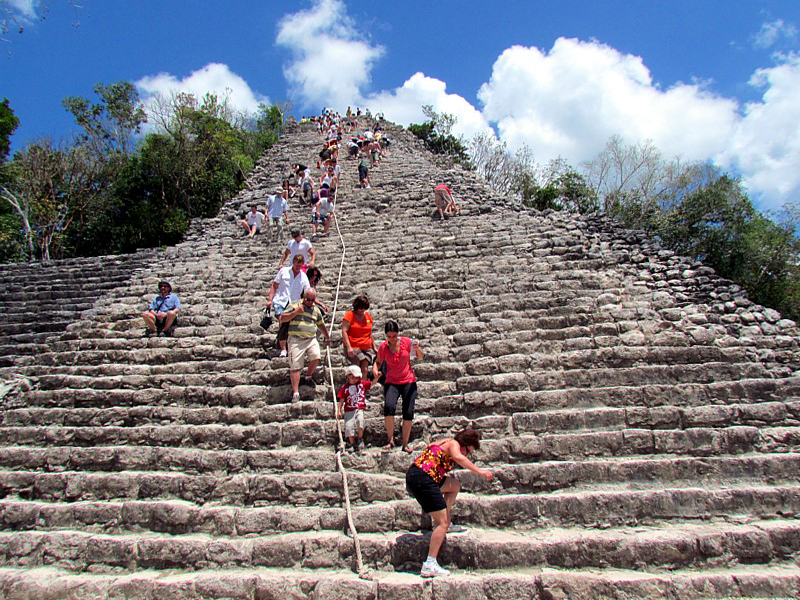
<point>704,79</point>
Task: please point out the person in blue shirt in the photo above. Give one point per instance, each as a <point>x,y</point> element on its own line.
<point>161,317</point>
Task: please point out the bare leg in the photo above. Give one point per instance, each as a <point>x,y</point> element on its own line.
<point>389,422</point>
<point>169,320</point>
<point>312,366</point>
<point>294,377</point>
<point>149,321</point>
<point>364,364</point>
<point>406,431</point>
<point>450,489</point>
<point>440,525</point>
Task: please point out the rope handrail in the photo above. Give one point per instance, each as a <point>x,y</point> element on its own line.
<point>363,572</point>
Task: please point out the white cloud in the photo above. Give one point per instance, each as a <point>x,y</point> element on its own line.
<point>771,32</point>
<point>765,146</point>
<point>23,10</point>
<point>404,105</point>
<point>568,102</point>
<point>214,77</point>
<point>331,62</point>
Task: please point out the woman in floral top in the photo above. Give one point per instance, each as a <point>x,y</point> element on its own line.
<point>427,480</point>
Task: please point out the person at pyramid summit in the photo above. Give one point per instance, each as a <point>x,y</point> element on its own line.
<point>427,480</point>
<point>162,316</point>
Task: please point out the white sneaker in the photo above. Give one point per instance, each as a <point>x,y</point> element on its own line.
<point>296,397</point>
<point>454,528</point>
<point>283,354</point>
<point>433,569</point>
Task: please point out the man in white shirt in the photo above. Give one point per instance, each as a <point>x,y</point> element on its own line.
<point>286,288</point>
<point>277,210</point>
<point>253,221</point>
<point>299,245</point>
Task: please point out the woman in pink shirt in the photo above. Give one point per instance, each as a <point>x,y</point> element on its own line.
<point>400,381</point>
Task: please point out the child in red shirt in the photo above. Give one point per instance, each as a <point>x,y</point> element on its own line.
<point>353,399</point>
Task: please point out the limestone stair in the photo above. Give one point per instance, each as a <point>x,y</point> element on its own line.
<point>641,415</point>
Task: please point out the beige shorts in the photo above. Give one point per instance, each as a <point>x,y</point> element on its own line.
<point>359,355</point>
<point>353,421</point>
<point>300,349</point>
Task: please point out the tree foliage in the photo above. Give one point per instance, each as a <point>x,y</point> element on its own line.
<point>51,188</point>
<point>110,125</point>
<point>635,182</point>
<point>554,186</point>
<point>8,124</point>
<point>437,135</point>
<point>113,190</point>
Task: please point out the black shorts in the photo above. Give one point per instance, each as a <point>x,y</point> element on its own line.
<point>161,322</point>
<point>362,172</point>
<point>392,392</point>
<point>425,490</point>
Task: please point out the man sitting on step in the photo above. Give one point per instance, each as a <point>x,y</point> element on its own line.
<point>162,316</point>
<point>253,221</point>
<point>304,317</point>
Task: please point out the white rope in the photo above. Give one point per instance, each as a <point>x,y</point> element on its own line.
<point>363,572</point>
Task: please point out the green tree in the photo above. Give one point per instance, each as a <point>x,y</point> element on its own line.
<point>718,224</point>
<point>8,125</point>
<point>51,189</point>
<point>12,239</point>
<point>635,182</point>
<point>110,125</point>
<point>437,136</point>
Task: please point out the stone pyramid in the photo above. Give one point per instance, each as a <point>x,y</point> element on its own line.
<point>640,414</point>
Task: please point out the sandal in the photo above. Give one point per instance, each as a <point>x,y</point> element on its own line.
<point>387,447</point>
<point>407,449</point>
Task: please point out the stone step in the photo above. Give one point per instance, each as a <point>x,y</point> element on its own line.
<point>754,414</point>
<point>601,509</point>
<point>668,546</point>
<point>241,478</point>
<point>517,376</point>
<point>753,390</point>
<point>718,438</point>
<point>781,579</point>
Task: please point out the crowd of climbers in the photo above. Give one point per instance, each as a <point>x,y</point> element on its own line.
<point>292,298</point>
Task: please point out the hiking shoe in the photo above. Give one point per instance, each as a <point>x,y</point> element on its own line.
<point>296,397</point>
<point>433,569</point>
<point>283,354</point>
<point>455,528</point>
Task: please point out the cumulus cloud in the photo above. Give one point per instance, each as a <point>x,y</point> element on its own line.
<point>765,145</point>
<point>404,105</point>
<point>772,32</point>
<point>23,10</point>
<point>214,77</point>
<point>569,101</point>
<point>331,61</point>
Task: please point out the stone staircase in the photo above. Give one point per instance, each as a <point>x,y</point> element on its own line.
<point>640,414</point>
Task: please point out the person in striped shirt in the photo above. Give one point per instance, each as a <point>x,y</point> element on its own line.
<point>304,318</point>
